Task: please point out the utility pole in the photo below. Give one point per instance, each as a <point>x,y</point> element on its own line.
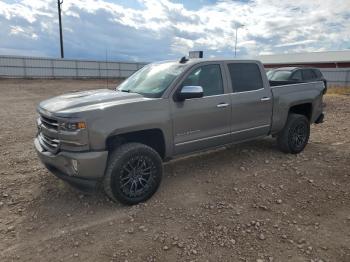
<point>59,3</point>
<point>237,27</point>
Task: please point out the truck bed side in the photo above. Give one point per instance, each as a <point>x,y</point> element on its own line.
<point>285,97</point>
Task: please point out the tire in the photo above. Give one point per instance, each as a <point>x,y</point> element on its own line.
<point>295,134</point>
<point>134,172</point>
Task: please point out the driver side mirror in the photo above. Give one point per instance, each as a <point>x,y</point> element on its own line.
<point>188,92</point>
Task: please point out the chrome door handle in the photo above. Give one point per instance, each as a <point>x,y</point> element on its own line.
<point>265,99</point>
<point>222,105</point>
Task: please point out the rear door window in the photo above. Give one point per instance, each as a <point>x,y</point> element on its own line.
<point>318,73</point>
<point>245,77</point>
<point>296,75</point>
<point>308,74</point>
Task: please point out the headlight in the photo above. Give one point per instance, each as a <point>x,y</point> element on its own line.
<point>72,126</point>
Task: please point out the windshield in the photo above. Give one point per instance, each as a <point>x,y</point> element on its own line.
<point>153,79</point>
<point>279,75</point>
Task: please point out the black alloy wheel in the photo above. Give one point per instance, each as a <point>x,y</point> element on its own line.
<point>295,134</point>
<point>133,174</point>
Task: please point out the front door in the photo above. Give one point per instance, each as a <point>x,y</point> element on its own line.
<point>200,123</point>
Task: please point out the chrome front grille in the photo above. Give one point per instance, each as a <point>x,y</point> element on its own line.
<point>48,134</point>
<point>49,122</point>
<point>49,143</point>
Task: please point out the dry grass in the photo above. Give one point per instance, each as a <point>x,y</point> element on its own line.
<point>338,91</point>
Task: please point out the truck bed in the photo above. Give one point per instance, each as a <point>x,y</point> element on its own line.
<point>286,96</point>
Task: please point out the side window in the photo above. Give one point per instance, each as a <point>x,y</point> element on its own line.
<point>297,75</point>
<point>318,73</point>
<point>313,74</point>
<point>245,77</point>
<point>208,77</point>
<point>308,74</point>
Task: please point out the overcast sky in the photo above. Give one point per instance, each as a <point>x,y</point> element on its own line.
<point>148,30</point>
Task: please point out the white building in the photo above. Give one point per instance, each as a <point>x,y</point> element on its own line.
<point>330,59</point>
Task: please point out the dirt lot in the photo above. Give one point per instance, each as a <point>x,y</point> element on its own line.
<point>246,203</point>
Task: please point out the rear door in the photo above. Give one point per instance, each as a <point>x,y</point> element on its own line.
<point>251,100</point>
<point>204,122</point>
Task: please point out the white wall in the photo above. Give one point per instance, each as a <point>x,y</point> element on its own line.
<point>337,76</point>
<point>34,67</point>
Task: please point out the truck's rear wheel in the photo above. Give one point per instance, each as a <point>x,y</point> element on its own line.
<point>133,173</point>
<point>295,135</point>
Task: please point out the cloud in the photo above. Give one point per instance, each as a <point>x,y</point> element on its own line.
<point>298,43</point>
<point>147,30</point>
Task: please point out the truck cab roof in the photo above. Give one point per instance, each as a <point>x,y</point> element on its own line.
<point>201,60</point>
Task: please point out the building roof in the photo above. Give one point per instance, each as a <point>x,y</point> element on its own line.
<point>288,68</point>
<point>312,57</point>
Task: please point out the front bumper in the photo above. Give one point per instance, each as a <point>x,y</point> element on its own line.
<point>81,169</point>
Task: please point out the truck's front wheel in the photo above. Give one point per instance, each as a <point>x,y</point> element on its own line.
<point>295,135</point>
<point>133,173</point>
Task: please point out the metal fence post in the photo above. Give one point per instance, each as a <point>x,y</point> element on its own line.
<point>24,67</point>
<point>76,69</point>
<point>347,78</point>
<point>52,69</point>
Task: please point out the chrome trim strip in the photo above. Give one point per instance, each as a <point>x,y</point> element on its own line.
<point>222,105</point>
<point>250,91</point>
<point>49,131</point>
<point>49,123</point>
<point>249,129</point>
<point>42,143</point>
<point>201,139</point>
<point>211,137</point>
<point>223,94</point>
<point>47,147</point>
<point>72,143</point>
<point>52,142</point>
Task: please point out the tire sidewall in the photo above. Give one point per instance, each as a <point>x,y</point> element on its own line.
<point>297,120</point>
<point>115,169</point>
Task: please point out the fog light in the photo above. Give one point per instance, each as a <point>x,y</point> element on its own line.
<point>75,165</point>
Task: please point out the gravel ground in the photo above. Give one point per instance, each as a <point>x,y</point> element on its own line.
<point>249,202</point>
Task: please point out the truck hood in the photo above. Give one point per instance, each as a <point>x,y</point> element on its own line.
<point>87,100</point>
